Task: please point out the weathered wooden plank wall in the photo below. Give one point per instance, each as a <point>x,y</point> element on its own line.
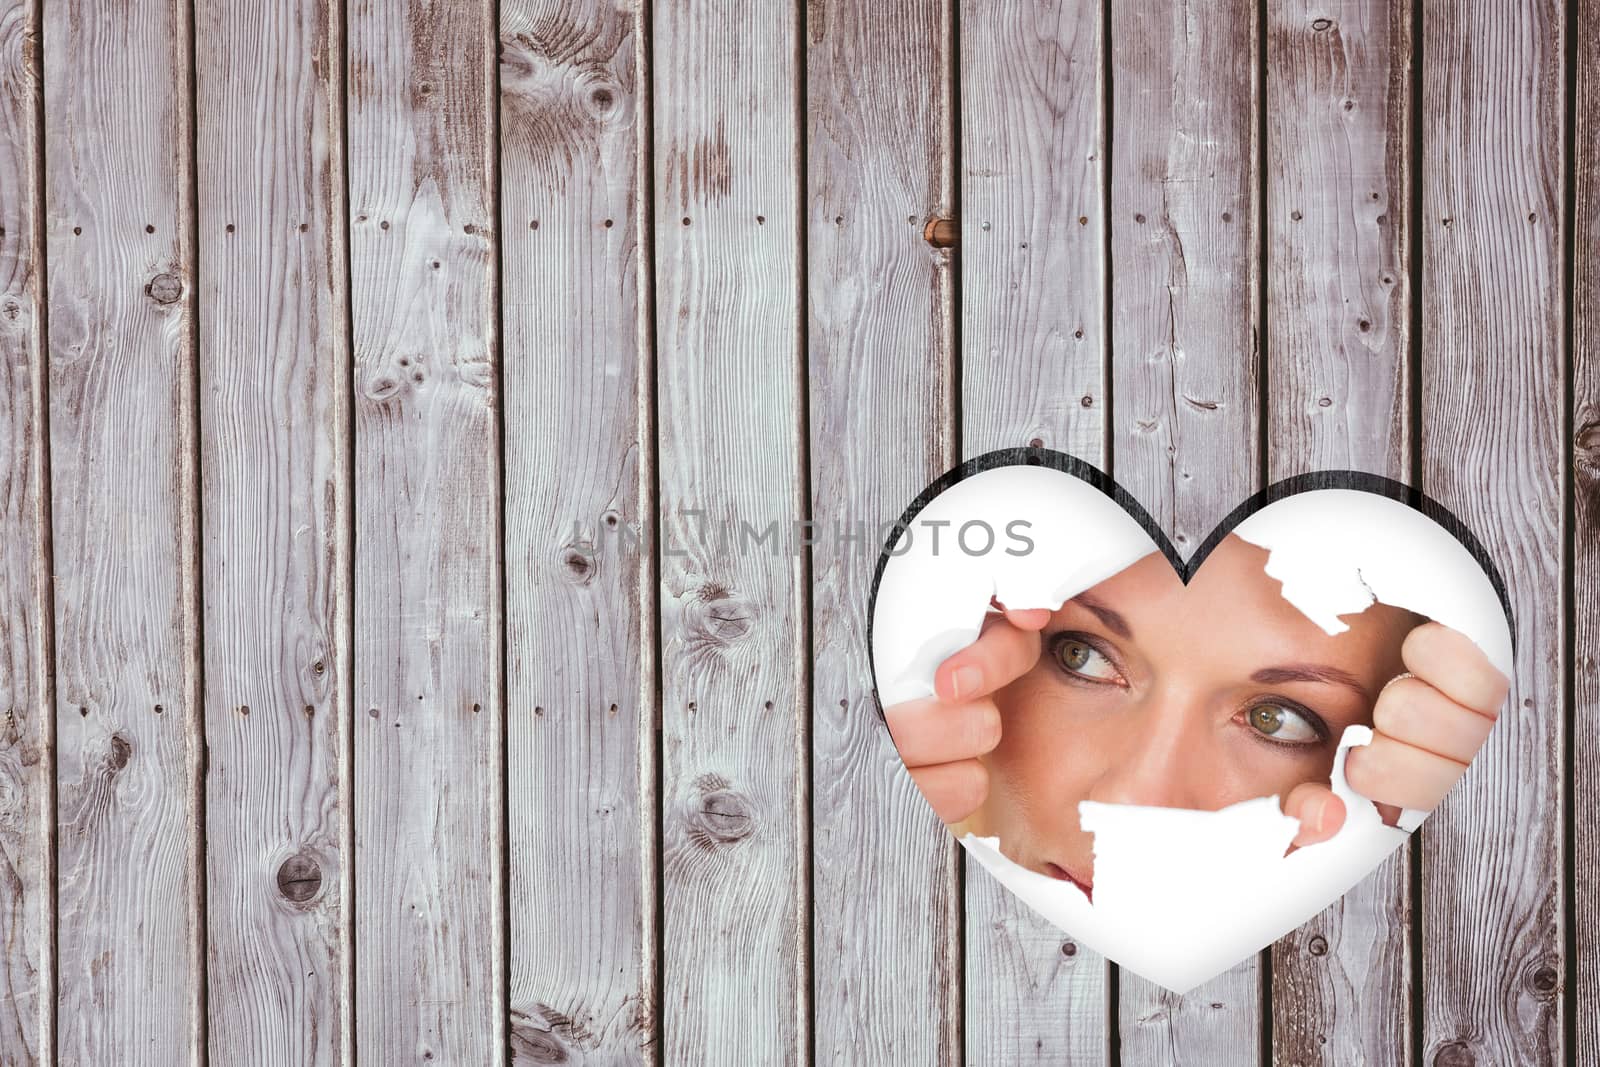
<point>27,772</point>
<point>270,295</point>
<point>580,534</point>
<point>735,654</point>
<point>397,663</point>
<point>119,307</point>
<point>429,804</point>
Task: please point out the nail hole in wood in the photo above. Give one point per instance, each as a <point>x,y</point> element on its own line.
<point>299,878</point>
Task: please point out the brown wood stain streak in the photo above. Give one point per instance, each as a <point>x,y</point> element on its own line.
<point>1185,219</point>
<point>580,531</point>
<point>1034,354</point>
<point>886,909</point>
<point>26,902</point>
<point>1492,408</point>
<point>123,520</point>
<point>1585,768</point>
<point>1338,303</point>
<point>735,705</point>
<point>274,372</point>
<point>429,834</point>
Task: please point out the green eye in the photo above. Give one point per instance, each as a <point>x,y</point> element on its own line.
<point>1075,655</point>
<point>1282,724</point>
<point>1082,660</point>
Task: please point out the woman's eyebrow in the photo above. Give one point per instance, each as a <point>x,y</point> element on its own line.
<point>1114,622</point>
<point>1308,672</point>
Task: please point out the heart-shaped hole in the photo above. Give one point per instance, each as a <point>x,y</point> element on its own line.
<point>1179,761</point>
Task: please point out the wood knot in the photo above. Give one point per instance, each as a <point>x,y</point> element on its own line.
<point>1321,24</point>
<point>1454,1054</point>
<point>121,752</point>
<point>941,232</point>
<point>1318,945</point>
<point>12,310</point>
<point>601,102</point>
<point>722,818</point>
<point>536,1046</point>
<point>716,616</point>
<point>300,878</point>
<point>1542,978</point>
<point>382,388</point>
<point>164,288</point>
<point>1586,447</point>
<point>578,562</point>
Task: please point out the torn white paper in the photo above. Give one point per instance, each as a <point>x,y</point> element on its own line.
<point>1181,896</point>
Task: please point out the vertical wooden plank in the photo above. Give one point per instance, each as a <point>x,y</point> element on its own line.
<point>1585,769</point>
<point>1338,329</point>
<point>1493,403</point>
<point>574,112</point>
<point>1033,320</point>
<point>1185,325</point>
<point>887,906</point>
<point>274,373</point>
<point>123,520</point>
<point>734,649</point>
<point>430,959</point>
<point>27,909</point>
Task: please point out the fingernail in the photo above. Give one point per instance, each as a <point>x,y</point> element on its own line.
<point>1319,818</point>
<point>965,680</point>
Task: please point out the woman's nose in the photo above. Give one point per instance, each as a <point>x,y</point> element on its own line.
<point>1162,760</point>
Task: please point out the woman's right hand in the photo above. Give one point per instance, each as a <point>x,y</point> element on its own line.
<point>941,737</point>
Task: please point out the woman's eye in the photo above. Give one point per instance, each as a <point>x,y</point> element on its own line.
<point>1282,723</point>
<point>1084,660</point>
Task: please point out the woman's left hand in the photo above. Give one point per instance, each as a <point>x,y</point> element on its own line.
<point>1425,730</point>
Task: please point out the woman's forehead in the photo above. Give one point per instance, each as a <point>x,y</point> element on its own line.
<point>1232,594</point>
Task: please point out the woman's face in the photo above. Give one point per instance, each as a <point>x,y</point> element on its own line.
<point>1149,692</point>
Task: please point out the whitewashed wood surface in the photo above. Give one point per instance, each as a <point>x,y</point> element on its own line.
<point>394,370</point>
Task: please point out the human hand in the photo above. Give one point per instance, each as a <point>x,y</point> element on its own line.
<point>1425,730</point>
<point>941,737</point>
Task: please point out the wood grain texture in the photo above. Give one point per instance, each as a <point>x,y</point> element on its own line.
<point>1185,330</point>
<point>1338,328</point>
<point>1033,317</point>
<point>123,519</point>
<point>1492,949</point>
<point>1584,994</point>
<point>274,416</point>
<point>734,650</point>
<point>580,531</point>
<point>887,905</point>
<point>429,816</point>
<point>27,814</point>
